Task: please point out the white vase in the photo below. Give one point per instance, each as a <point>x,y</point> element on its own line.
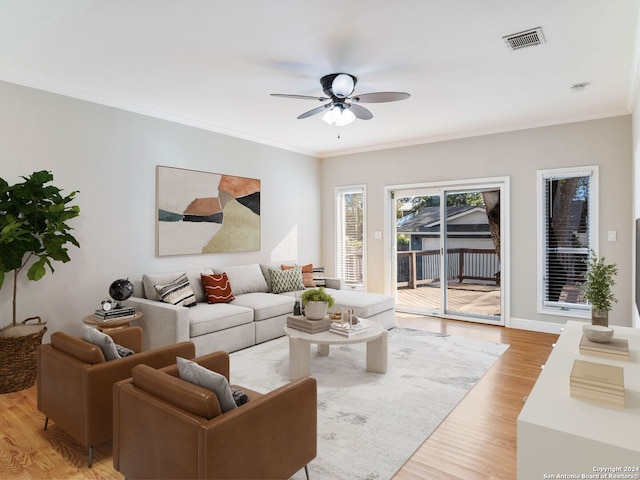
<point>315,310</point>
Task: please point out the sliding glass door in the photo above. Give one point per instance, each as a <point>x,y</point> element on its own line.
<point>448,244</point>
<point>418,259</point>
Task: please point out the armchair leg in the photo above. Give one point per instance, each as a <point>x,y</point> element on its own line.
<point>90,456</point>
<point>306,471</point>
<point>46,422</point>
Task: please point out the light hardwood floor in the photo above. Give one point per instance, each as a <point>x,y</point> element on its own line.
<point>478,438</point>
<point>476,441</point>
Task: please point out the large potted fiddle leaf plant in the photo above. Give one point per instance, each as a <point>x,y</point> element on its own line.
<point>33,233</point>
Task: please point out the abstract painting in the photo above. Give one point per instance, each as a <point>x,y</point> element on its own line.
<point>203,212</point>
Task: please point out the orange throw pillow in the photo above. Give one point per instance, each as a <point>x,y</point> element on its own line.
<point>217,288</point>
<point>307,274</point>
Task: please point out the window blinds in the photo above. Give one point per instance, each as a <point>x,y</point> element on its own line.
<point>350,235</point>
<point>567,236</point>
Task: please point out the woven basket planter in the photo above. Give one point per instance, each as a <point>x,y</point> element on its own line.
<point>18,358</point>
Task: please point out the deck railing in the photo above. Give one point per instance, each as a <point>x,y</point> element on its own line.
<point>419,267</point>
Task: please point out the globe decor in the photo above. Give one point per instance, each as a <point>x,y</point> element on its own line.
<point>33,233</point>
<point>121,289</point>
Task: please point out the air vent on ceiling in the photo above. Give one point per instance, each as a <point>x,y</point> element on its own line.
<point>528,38</point>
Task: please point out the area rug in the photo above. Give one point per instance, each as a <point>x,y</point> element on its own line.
<point>369,424</point>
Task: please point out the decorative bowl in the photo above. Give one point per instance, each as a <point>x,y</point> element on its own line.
<point>598,333</point>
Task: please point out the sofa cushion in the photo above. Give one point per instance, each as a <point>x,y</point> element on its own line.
<point>177,292</point>
<point>266,267</point>
<point>205,378</point>
<point>150,280</point>
<point>286,280</point>
<point>207,318</point>
<point>265,305</point>
<point>366,304</point>
<point>102,340</point>
<point>217,288</point>
<point>244,278</point>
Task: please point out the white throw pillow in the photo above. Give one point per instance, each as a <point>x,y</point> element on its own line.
<point>102,340</point>
<point>203,377</point>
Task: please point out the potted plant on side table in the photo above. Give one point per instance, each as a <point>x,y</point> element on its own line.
<point>33,233</point>
<point>316,301</point>
<point>600,277</point>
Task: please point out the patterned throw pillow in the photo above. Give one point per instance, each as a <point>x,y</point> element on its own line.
<point>286,280</point>
<point>177,292</point>
<point>307,274</point>
<point>124,351</point>
<point>217,288</point>
<point>318,277</point>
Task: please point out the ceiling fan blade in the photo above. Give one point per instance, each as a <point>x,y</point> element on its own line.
<point>360,112</point>
<point>314,111</point>
<point>299,97</point>
<point>380,97</point>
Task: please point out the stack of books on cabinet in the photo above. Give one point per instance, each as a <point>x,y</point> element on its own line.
<point>616,349</point>
<point>347,330</point>
<point>597,382</point>
<point>115,314</point>
<point>302,323</point>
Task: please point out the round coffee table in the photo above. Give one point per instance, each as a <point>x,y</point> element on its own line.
<point>300,347</point>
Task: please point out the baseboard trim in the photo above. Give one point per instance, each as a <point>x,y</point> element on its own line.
<point>535,325</point>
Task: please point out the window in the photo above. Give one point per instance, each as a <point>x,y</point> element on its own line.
<point>567,223</point>
<point>350,240</point>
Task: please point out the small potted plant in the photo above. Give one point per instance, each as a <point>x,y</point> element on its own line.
<point>597,288</point>
<point>316,301</point>
<point>33,233</point>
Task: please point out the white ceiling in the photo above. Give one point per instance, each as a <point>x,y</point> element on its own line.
<point>213,63</point>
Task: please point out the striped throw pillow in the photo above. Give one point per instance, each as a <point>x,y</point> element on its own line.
<point>217,288</point>
<point>178,292</point>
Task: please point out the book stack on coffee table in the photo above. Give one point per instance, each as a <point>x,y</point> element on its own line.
<point>302,323</point>
<point>597,382</point>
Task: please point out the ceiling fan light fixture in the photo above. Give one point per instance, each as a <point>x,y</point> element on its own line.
<point>339,116</point>
<point>342,85</point>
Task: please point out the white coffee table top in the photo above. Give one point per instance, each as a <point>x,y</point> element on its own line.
<point>330,338</point>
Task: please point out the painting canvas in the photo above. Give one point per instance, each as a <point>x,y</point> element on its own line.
<point>203,212</point>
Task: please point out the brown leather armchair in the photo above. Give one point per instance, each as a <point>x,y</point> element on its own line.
<point>75,382</point>
<point>165,427</point>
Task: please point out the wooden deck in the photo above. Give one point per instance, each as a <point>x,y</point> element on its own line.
<point>463,297</point>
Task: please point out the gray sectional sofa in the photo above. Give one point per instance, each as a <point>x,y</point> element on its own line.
<point>256,314</point>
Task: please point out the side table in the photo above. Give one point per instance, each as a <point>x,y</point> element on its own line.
<point>105,325</point>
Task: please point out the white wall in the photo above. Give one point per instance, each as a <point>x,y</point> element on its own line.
<point>519,155</point>
<point>110,156</point>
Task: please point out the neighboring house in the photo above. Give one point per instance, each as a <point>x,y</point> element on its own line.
<point>467,227</point>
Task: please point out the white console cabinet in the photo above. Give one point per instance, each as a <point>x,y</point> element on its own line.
<point>564,437</point>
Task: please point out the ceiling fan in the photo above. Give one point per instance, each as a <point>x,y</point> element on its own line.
<point>342,106</point>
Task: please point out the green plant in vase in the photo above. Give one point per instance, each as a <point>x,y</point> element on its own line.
<point>600,278</point>
<point>316,302</point>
